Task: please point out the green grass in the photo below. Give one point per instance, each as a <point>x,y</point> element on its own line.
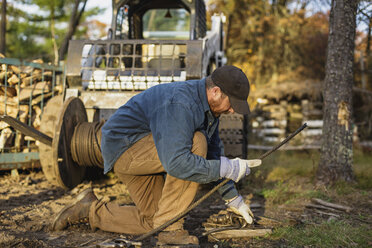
<point>325,234</point>
<point>344,188</point>
<point>289,192</point>
<point>363,169</point>
<point>284,165</point>
<point>287,177</point>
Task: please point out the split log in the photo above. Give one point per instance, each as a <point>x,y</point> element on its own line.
<point>27,69</point>
<point>18,140</point>
<point>38,61</point>
<point>326,213</point>
<point>30,69</point>
<point>3,125</point>
<point>34,90</point>
<point>58,89</point>
<point>240,233</point>
<point>10,91</point>
<point>23,113</point>
<point>39,98</point>
<point>14,79</point>
<point>36,117</point>
<point>321,207</point>
<point>36,77</point>
<point>11,106</point>
<point>5,136</point>
<point>15,69</point>
<point>23,117</point>
<point>268,222</point>
<point>4,74</point>
<point>332,205</point>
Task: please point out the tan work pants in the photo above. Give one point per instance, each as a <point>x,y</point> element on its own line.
<point>157,198</point>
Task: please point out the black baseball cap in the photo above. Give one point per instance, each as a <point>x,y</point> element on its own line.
<point>234,83</point>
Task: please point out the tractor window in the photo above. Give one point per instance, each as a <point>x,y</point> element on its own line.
<point>166,24</point>
<point>122,26</point>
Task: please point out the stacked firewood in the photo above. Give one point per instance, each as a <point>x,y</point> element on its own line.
<point>271,121</point>
<point>313,115</point>
<point>24,90</point>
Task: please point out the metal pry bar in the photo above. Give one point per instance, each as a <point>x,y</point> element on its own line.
<point>27,130</point>
<point>180,215</point>
<point>283,142</point>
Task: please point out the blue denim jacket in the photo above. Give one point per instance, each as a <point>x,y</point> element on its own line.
<point>172,113</point>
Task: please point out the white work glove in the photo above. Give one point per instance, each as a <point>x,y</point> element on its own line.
<point>239,207</point>
<point>235,169</point>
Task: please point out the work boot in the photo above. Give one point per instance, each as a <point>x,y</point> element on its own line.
<point>77,212</point>
<point>178,237</point>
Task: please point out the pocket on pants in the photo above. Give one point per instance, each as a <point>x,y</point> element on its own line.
<point>140,159</point>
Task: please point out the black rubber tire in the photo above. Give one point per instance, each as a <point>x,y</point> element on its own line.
<point>49,121</point>
<point>68,173</point>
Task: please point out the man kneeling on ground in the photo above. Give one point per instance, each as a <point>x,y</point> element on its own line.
<point>162,144</point>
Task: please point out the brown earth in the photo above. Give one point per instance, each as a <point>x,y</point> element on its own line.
<point>28,204</point>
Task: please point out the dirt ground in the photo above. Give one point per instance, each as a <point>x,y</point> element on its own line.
<point>28,204</point>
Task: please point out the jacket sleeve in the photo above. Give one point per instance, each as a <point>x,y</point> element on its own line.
<point>173,126</point>
<point>215,151</point>
<point>215,146</point>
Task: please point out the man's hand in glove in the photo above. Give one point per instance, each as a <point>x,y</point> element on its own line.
<point>239,207</point>
<point>235,169</point>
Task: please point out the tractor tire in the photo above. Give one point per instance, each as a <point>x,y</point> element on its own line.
<point>49,121</point>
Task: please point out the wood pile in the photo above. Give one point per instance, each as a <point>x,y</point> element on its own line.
<point>295,116</point>
<point>273,122</point>
<point>313,115</point>
<point>23,92</point>
<point>270,124</point>
<point>304,103</point>
<point>280,109</point>
<point>226,225</point>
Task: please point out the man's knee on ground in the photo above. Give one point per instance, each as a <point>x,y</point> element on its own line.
<point>199,144</point>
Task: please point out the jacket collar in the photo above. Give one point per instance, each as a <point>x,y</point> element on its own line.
<point>203,95</point>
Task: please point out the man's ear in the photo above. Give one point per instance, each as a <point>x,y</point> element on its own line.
<point>216,91</point>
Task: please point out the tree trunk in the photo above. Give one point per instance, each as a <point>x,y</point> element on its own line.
<point>55,46</point>
<point>337,149</point>
<point>368,49</point>
<point>3,28</point>
<point>368,46</point>
<point>72,26</point>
